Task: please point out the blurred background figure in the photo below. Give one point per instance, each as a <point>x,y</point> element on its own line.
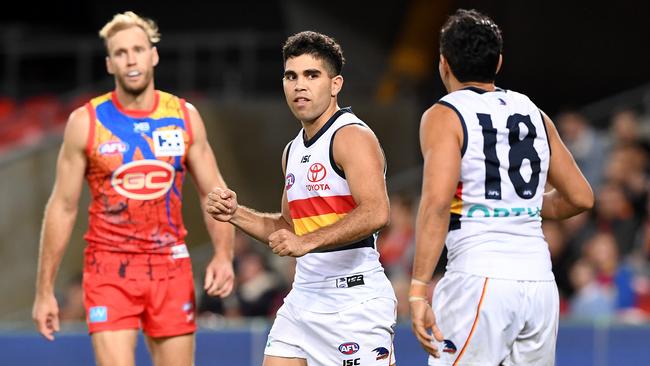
<point>587,145</point>
<point>395,243</point>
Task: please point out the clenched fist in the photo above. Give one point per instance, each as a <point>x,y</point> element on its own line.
<point>222,204</point>
<point>285,243</point>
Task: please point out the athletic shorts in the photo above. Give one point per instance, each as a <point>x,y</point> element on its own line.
<point>162,307</point>
<point>490,322</point>
<point>360,335</point>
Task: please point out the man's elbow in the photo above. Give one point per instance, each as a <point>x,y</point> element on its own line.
<point>588,202</point>
<point>584,201</point>
<point>380,218</point>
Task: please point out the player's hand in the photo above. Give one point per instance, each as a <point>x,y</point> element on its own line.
<point>285,243</point>
<point>423,321</point>
<point>46,315</point>
<point>219,277</point>
<point>221,204</point>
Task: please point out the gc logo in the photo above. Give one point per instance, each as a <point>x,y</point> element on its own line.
<point>143,179</point>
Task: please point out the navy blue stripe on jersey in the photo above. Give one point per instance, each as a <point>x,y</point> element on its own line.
<point>325,127</point>
<point>336,168</point>
<point>548,142</point>
<point>368,242</point>
<point>462,122</point>
<point>286,157</point>
<point>454,221</point>
<point>475,89</point>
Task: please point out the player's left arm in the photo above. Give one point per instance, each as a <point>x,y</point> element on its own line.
<point>202,164</point>
<point>441,139</point>
<point>357,152</point>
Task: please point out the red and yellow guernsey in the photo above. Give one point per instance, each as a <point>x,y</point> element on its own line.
<point>136,168</point>
<point>318,196</point>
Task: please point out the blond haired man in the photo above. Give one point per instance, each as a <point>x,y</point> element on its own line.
<point>134,146</point>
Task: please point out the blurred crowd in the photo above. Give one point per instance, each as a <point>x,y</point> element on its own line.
<point>601,259</point>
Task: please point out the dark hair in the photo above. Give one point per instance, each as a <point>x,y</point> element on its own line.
<point>319,46</point>
<point>471,42</point>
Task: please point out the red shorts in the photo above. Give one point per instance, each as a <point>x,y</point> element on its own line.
<point>162,306</point>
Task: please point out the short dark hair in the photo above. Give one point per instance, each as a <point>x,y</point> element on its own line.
<point>471,42</point>
<point>319,46</point>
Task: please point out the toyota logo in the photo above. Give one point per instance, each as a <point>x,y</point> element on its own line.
<point>316,173</point>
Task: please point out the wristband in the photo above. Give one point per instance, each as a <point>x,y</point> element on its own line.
<point>415,281</point>
<point>418,298</point>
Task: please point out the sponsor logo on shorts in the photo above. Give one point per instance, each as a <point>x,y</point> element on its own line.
<point>448,346</point>
<point>345,282</point>
<point>143,179</point>
<point>348,348</point>
<point>97,314</point>
<point>180,251</point>
<point>354,362</point>
<point>187,307</point>
<point>382,353</point>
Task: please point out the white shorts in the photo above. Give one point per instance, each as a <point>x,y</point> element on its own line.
<point>489,321</point>
<point>360,335</point>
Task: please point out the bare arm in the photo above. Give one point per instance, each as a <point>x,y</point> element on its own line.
<point>223,206</point>
<point>59,218</point>
<point>572,193</point>
<point>441,139</point>
<point>203,166</point>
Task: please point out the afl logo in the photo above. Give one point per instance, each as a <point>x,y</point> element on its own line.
<point>291,179</point>
<point>143,179</point>
<point>349,348</point>
<point>316,173</point>
<point>112,148</point>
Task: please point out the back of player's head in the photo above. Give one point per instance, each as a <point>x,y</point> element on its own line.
<point>127,20</point>
<point>471,42</point>
<point>317,45</point>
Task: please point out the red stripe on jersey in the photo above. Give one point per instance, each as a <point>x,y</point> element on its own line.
<point>91,128</point>
<point>136,113</point>
<point>316,206</point>
<point>188,123</point>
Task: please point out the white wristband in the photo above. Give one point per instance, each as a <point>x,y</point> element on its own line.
<point>418,298</point>
<point>415,281</point>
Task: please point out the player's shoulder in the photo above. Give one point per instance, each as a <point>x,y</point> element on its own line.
<point>77,127</point>
<point>79,116</point>
<point>519,97</point>
<point>441,110</point>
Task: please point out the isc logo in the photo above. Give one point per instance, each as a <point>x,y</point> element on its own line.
<point>355,362</point>
<point>348,348</point>
<point>143,179</point>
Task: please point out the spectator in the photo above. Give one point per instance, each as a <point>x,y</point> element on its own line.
<point>591,301</point>
<point>586,144</point>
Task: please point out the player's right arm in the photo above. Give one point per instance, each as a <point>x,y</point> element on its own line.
<point>223,206</point>
<point>59,218</point>
<point>572,193</point>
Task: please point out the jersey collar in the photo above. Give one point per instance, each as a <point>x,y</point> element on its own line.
<point>326,126</point>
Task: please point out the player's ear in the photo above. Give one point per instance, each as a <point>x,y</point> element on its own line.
<point>109,66</point>
<point>337,85</point>
<point>499,63</point>
<point>443,67</point>
<point>154,55</point>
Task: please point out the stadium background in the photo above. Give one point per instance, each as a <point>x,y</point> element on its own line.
<point>585,64</point>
